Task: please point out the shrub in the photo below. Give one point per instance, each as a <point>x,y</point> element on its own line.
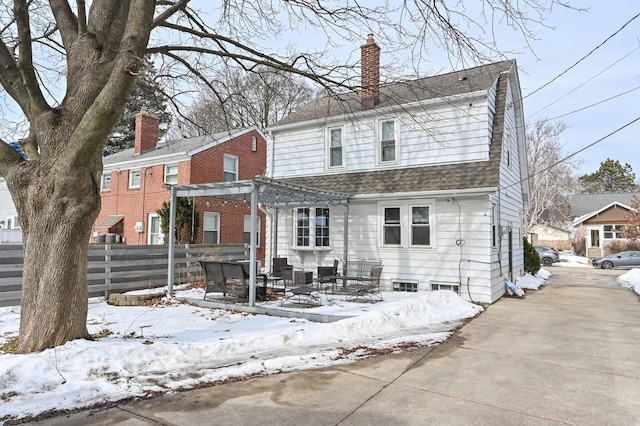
<point>580,247</point>
<point>617,246</point>
<point>531,258</point>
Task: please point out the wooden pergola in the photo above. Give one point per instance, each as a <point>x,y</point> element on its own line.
<point>261,190</point>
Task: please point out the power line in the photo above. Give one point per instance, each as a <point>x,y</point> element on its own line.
<point>592,105</point>
<point>583,58</point>
<point>577,87</point>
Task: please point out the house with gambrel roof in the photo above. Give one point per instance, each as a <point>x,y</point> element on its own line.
<point>436,173</point>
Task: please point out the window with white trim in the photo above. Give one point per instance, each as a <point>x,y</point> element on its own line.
<point>313,227</point>
<point>420,227</point>
<point>388,146</point>
<point>155,235</point>
<point>336,147</point>
<point>247,230</point>
<point>612,232</point>
<point>13,222</point>
<point>171,174</point>
<point>409,224</point>
<point>134,178</point>
<point>392,228</point>
<point>211,228</point>
<point>105,182</point>
<point>230,168</point>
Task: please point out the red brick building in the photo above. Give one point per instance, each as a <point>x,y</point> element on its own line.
<point>133,185</point>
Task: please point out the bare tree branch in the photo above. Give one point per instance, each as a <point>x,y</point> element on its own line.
<point>179,5</point>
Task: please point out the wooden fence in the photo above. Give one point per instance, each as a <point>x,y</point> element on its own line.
<point>118,267</point>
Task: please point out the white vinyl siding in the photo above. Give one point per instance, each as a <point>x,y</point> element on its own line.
<point>451,133</point>
<point>211,228</point>
<point>134,178</point>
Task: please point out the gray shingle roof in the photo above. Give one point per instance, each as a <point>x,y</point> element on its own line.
<point>582,204</point>
<point>447,177</point>
<point>439,86</point>
<point>178,146</point>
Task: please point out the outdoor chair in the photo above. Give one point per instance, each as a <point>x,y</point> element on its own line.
<point>298,288</point>
<point>327,275</point>
<point>368,288</point>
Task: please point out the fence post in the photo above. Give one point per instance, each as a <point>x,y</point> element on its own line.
<point>107,270</point>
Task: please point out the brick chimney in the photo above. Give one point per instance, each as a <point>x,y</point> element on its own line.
<point>370,63</point>
<point>147,132</point>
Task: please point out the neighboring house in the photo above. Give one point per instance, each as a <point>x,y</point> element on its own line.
<point>436,172</point>
<point>549,235</point>
<point>135,181</point>
<point>10,231</point>
<point>598,219</point>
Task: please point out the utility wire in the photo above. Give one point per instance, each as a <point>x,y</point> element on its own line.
<point>592,105</point>
<point>583,58</point>
<point>577,87</point>
<point>573,154</point>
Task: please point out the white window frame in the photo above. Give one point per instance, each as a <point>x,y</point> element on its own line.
<point>106,177</point>
<point>170,176</point>
<point>216,229</point>
<point>406,223</point>
<point>150,234</point>
<point>413,226</point>
<point>13,222</point>
<point>254,143</point>
<point>328,148</point>
<point>615,233</point>
<point>225,170</point>
<point>247,230</point>
<point>379,141</point>
<point>133,173</point>
<point>313,227</point>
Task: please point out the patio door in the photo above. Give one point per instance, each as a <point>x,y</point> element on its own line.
<point>155,233</point>
<point>594,242</point>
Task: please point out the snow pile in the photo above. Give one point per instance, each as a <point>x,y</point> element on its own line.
<point>143,350</point>
<point>630,280</point>
<point>529,282</point>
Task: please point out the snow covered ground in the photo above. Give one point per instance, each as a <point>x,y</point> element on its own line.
<point>141,351</point>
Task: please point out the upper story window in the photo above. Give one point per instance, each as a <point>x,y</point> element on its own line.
<point>406,224</point>
<point>336,147</point>
<point>134,178</point>
<point>313,227</point>
<point>507,148</point>
<point>13,222</point>
<point>105,183</point>
<point>171,174</point>
<point>388,144</point>
<point>230,168</point>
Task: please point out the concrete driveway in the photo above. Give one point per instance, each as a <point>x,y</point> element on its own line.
<point>566,354</point>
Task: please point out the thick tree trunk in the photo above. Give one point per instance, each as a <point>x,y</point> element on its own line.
<point>57,209</point>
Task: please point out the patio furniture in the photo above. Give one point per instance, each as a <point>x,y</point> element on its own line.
<point>276,275</point>
<point>327,277</point>
<point>299,287</point>
<point>229,278</point>
<point>368,287</point>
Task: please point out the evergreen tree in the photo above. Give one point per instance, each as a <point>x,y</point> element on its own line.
<point>187,220</point>
<point>145,95</point>
<point>610,177</point>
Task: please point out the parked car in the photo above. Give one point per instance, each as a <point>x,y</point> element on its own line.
<point>627,259</point>
<point>548,255</point>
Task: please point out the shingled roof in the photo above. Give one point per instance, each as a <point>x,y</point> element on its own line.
<point>402,93</point>
<point>446,177</point>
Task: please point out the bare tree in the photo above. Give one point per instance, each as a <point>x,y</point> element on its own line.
<point>631,230</point>
<point>259,98</point>
<point>551,178</point>
<point>70,68</point>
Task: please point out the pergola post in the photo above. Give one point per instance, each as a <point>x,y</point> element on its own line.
<point>345,253</point>
<point>172,240</point>
<point>253,255</point>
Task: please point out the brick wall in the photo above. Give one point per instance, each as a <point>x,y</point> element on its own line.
<point>135,204</point>
<point>370,64</point>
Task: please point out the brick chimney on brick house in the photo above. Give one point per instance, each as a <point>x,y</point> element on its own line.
<point>370,63</point>
<point>147,132</point>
